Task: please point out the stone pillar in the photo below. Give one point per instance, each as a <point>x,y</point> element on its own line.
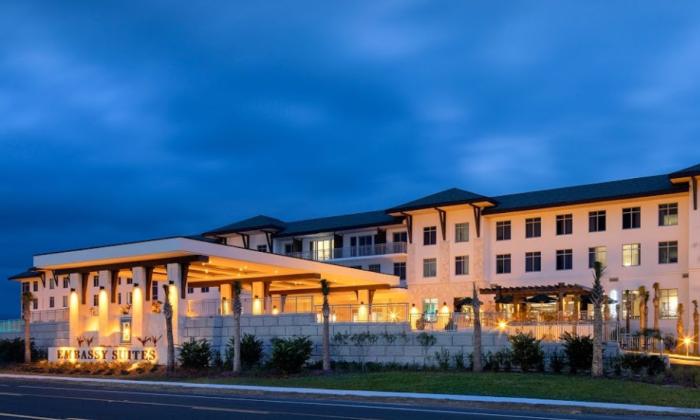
<point>76,310</point>
<point>104,329</point>
<point>226,292</point>
<point>138,296</point>
<point>175,280</point>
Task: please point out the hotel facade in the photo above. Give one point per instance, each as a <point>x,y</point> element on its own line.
<point>529,254</point>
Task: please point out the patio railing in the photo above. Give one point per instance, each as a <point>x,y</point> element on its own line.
<point>382,312</point>
<point>50,315</point>
<point>213,307</point>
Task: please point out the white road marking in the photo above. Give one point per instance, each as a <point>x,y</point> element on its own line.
<point>325,404</point>
<point>25,416</point>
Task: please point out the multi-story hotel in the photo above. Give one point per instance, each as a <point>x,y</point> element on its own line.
<point>530,254</point>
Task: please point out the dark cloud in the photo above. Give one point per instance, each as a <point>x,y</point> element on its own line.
<point>126,121</point>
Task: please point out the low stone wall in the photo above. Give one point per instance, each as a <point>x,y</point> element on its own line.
<point>383,342</point>
<point>44,334</point>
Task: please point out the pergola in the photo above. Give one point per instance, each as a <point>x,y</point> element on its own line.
<point>520,296</point>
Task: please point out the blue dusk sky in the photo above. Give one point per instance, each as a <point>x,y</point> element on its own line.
<point>129,120</point>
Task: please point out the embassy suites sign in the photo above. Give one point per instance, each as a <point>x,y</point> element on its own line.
<point>103,354</point>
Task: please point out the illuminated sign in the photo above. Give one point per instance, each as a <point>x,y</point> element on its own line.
<point>103,354</point>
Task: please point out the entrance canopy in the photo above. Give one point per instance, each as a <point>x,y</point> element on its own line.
<point>213,264</point>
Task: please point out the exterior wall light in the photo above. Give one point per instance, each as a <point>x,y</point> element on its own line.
<point>275,311</point>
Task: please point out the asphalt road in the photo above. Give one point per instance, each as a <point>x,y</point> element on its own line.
<point>34,399</point>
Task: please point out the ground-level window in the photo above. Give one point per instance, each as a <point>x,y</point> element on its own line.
<point>668,252</point>
<point>429,267</point>
<point>565,259</point>
<point>400,270</point>
<point>503,264</point>
<point>631,254</point>
<point>376,268</point>
<point>430,307</point>
<point>599,254</point>
<point>668,303</point>
<point>462,265</point>
<point>533,262</point>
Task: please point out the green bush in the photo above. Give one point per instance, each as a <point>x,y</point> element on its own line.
<point>459,360</point>
<point>526,351</point>
<point>636,363</point>
<point>251,352</point>
<point>195,354</point>
<point>443,359</point>
<point>557,361</point>
<point>12,351</point>
<point>289,355</point>
<point>578,350</point>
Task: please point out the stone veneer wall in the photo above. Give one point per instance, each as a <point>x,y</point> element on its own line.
<point>44,334</point>
<point>396,343</point>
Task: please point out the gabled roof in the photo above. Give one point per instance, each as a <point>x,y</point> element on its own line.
<point>343,222</point>
<point>453,196</point>
<point>691,171</point>
<point>259,222</point>
<point>605,191</point>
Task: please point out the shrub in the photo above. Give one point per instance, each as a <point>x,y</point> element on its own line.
<point>12,351</point>
<point>635,362</point>
<point>195,354</point>
<point>251,352</point>
<point>526,351</point>
<point>443,359</point>
<point>504,359</point>
<point>557,361</point>
<point>289,355</point>
<point>459,360</point>
<point>578,350</point>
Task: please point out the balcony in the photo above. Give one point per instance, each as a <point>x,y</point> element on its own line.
<point>351,252</point>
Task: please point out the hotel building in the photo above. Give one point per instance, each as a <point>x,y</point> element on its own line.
<point>530,254</point>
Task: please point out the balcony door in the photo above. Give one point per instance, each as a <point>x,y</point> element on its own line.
<point>361,245</point>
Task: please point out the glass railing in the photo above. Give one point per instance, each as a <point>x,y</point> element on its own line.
<point>382,312</point>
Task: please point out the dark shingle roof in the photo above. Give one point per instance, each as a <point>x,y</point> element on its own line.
<point>628,188</point>
<point>254,223</point>
<point>691,171</point>
<point>443,198</point>
<point>29,274</point>
<point>343,222</point>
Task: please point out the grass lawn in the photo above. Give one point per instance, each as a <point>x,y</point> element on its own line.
<point>535,385</point>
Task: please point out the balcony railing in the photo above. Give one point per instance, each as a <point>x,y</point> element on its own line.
<point>50,315</point>
<point>351,252</point>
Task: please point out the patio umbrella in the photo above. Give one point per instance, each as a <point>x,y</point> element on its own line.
<point>541,299</point>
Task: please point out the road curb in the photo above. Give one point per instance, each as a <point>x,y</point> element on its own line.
<point>376,394</point>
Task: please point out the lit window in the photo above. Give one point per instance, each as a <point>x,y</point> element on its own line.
<point>125,330</point>
<point>503,230</point>
<point>533,262</point>
<point>462,265</point>
<point>429,267</point>
<point>462,232</point>
<point>533,227</point>
<point>631,218</point>
<point>430,307</point>
<point>565,259</point>
<point>597,253</point>
<point>596,221</point>
<point>631,254</point>
<point>668,303</point>
<point>503,264</point>
<point>668,214</point>
<point>668,252</point>
<point>321,249</point>
<point>429,235</point>
<point>565,224</point>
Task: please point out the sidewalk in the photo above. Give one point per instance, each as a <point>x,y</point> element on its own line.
<point>375,394</point>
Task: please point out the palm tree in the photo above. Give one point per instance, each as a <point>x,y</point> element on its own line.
<point>27,299</point>
<point>237,327</point>
<point>168,312</point>
<point>326,290</point>
<point>476,355</point>
<point>597,296</point>
<point>655,302</point>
